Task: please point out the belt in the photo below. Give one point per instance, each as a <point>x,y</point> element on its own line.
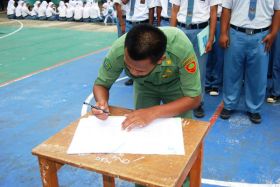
<point>194,26</point>
<point>218,18</point>
<point>137,22</point>
<point>164,18</point>
<point>249,31</point>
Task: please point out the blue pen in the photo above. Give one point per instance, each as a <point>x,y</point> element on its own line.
<point>97,108</point>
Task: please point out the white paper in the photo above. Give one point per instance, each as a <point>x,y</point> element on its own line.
<point>162,136</point>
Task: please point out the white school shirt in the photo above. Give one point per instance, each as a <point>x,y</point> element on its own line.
<point>123,6</point>
<point>141,11</point>
<point>18,9</point>
<point>50,11</point>
<point>42,9</point>
<point>201,10</point>
<point>239,13</point>
<point>78,13</point>
<point>61,9</point>
<point>86,12</point>
<point>11,7</point>
<point>24,11</point>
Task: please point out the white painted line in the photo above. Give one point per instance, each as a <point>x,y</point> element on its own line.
<point>90,97</point>
<point>21,26</point>
<point>236,184</point>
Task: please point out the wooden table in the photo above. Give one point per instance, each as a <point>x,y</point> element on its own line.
<point>149,170</point>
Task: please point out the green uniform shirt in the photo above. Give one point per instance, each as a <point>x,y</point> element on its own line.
<point>180,70</point>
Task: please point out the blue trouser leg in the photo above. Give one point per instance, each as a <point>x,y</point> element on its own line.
<point>164,23</point>
<point>255,72</point>
<point>245,59</point>
<point>192,35</point>
<point>276,66</point>
<point>11,16</point>
<point>119,27</point>
<point>128,27</point>
<point>233,71</point>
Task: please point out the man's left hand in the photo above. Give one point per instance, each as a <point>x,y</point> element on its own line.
<point>138,119</point>
<point>268,40</point>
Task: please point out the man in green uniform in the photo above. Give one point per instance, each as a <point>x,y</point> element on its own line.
<point>164,68</point>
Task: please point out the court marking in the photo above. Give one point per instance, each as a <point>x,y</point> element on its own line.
<point>21,26</point>
<point>52,67</point>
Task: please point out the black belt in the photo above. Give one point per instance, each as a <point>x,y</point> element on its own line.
<point>249,31</point>
<point>218,18</point>
<point>137,22</point>
<point>164,18</point>
<point>194,26</point>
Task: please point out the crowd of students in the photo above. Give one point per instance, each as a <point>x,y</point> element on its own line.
<point>70,11</point>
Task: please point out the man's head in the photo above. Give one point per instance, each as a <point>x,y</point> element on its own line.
<point>145,46</point>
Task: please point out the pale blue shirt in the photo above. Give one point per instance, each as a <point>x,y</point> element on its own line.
<point>239,13</point>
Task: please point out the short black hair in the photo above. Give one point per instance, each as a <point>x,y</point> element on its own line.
<point>145,41</point>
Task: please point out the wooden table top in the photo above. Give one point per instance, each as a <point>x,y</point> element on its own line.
<point>157,170</point>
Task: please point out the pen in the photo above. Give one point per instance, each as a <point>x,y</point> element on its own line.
<point>96,107</point>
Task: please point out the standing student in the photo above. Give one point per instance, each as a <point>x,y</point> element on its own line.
<point>163,12</point>
<point>11,9</point>
<point>61,11</point>
<point>215,63</point>
<point>248,29</point>
<point>121,18</point>
<point>192,16</point>
<point>274,91</point>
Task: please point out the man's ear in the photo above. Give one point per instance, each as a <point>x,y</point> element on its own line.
<point>161,59</point>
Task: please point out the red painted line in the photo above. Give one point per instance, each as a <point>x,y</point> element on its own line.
<point>52,67</point>
<point>215,116</point>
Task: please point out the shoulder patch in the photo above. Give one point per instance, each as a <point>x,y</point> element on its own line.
<point>107,65</point>
<point>190,65</point>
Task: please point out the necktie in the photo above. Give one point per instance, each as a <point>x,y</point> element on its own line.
<point>169,8</point>
<point>132,5</point>
<point>252,9</point>
<point>189,12</point>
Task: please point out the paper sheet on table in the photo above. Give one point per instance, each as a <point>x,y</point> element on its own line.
<point>162,136</point>
<point>202,38</point>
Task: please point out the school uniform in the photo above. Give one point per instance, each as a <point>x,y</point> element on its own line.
<point>166,6</point>
<point>192,17</point>
<point>11,9</point>
<point>245,58</point>
<point>123,8</point>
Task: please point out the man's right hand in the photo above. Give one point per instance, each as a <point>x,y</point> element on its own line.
<point>224,41</point>
<point>99,113</point>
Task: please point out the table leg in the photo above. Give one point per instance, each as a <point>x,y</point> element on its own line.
<point>196,170</point>
<point>108,181</point>
<point>48,171</point>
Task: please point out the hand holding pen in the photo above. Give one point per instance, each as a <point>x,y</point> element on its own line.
<point>100,110</point>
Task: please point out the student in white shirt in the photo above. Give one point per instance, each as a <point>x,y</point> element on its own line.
<point>25,12</point>
<point>42,10</point>
<point>35,10</point>
<point>69,12</point>
<point>11,9</point>
<point>18,9</point>
<point>192,16</point>
<point>121,11</point>
<point>86,12</point>
<point>78,13</point>
<point>62,11</point>
<point>51,14</point>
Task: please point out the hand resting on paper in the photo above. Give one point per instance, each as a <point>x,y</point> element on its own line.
<point>138,119</point>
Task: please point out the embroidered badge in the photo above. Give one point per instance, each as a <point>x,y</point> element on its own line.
<point>107,65</point>
<point>168,62</point>
<point>191,67</point>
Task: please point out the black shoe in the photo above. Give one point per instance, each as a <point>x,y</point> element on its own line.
<point>225,114</point>
<point>199,112</point>
<point>214,92</point>
<point>255,117</point>
<point>129,82</point>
